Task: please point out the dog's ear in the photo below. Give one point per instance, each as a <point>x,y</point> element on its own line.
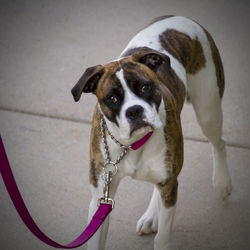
<point>151,58</point>
<point>88,82</point>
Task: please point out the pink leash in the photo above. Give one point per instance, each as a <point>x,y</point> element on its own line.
<point>97,220</point>
<point>8,178</point>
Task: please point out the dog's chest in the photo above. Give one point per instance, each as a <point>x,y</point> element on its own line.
<point>146,163</point>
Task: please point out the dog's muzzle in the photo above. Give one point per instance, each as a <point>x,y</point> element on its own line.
<point>136,117</point>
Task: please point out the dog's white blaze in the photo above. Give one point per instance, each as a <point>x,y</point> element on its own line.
<point>129,95</point>
<point>130,99</point>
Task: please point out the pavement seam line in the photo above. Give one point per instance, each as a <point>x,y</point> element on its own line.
<point>187,138</point>
<point>44,115</point>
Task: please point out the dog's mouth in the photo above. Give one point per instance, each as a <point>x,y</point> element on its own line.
<point>140,127</point>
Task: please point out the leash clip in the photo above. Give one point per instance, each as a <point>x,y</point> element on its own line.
<point>106,199</point>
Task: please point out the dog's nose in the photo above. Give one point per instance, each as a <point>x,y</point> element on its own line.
<point>134,112</point>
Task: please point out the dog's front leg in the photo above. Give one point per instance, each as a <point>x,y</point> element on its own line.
<point>98,241</point>
<point>168,194</point>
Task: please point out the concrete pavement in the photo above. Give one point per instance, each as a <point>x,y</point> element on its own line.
<point>44,48</point>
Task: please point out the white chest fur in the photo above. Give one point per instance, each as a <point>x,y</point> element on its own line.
<point>146,163</point>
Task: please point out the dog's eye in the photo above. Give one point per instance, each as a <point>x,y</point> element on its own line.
<point>112,99</point>
<point>145,88</point>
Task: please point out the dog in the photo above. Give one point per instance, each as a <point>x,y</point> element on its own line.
<point>170,61</point>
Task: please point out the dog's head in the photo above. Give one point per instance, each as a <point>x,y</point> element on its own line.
<point>128,91</point>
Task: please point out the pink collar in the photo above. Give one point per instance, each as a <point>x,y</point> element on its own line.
<point>141,142</point>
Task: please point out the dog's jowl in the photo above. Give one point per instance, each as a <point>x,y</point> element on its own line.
<point>141,95</point>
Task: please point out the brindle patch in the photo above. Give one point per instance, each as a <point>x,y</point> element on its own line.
<point>218,64</point>
<point>168,192</point>
<point>173,87</point>
<point>174,153</point>
<point>93,172</point>
<point>189,52</point>
<point>174,140</point>
<point>108,86</point>
<point>173,92</point>
<point>96,162</point>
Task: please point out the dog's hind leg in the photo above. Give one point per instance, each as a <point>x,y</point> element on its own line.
<point>206,100</point>
<point>148,223</point>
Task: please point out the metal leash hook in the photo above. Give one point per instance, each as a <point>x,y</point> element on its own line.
<point>107,177</point>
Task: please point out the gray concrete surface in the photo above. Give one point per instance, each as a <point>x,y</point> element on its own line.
<point>44,48</point>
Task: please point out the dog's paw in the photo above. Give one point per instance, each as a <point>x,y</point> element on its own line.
<point>223,186</point>
<point>147,224</point>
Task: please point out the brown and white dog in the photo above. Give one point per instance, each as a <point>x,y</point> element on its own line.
<point>144,90</point>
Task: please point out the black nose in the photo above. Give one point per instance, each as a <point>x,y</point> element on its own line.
<point>134,112</point>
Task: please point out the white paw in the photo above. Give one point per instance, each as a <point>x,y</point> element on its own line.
<point>223,186</point>
<point>147,224</point>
